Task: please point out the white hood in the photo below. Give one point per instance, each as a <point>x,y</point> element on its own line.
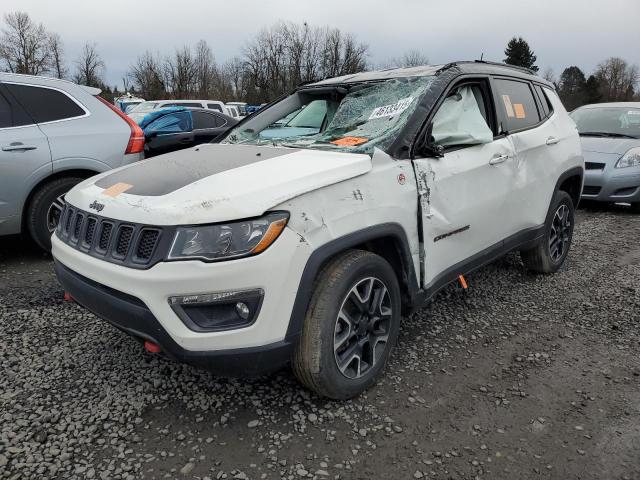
<point>212,183</point>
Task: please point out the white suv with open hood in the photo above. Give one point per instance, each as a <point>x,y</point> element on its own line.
<point>302,236</point>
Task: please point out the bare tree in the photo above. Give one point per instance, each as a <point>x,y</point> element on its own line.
<point>549,75</point>
<point>286,54</point>
<point>89,67</point>
<point>617,79</point>
<point>24,45</point>
<point>181,73</point>
<point>56,54</point>
<point>413,58</point>
<point>206,69</point>
<point>147,76</point>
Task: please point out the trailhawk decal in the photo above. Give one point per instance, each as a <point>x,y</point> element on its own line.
<point>166,173</point>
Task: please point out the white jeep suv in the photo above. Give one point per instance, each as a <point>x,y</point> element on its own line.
<point>304,245</point>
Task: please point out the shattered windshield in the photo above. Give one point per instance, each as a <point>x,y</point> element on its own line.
<point>353,118</point>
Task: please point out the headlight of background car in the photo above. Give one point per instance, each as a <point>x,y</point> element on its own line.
<point>630,159</point>
<point>229,240</point>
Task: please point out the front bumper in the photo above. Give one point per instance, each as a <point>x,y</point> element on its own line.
<point>612,185</point>
<point>276,271</point>
<point>132,316</point>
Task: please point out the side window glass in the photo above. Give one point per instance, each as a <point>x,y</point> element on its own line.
<point>44,104</point>
<point>517,104</point>
<point>220,121</point>
<point>176,122</point>
<point>214,106</point>
<point>461,119</point>
<point>6,115</point>
<point>547,108</point>
<point>203,120</point>
<point>12,114</point>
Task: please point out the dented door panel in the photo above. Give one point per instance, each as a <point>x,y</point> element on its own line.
<point>465,203</point>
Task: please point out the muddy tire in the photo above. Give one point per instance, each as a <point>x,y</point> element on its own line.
<point>350,327</point>
<point>552,250</point>
<point>41,214</point>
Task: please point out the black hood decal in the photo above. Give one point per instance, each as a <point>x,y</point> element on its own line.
<point>167,173</point>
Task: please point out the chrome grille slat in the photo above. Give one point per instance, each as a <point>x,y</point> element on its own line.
<point>132,245</point>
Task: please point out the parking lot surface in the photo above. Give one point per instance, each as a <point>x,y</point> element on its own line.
<point>522,376</point>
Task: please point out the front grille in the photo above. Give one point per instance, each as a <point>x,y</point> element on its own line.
<point>90,232</point>
<point>590,190</point>
<point>148,239</point>
<point>593,166</point>
<point>105,236</point>
<point>132,245</point>
<point>124,240</point>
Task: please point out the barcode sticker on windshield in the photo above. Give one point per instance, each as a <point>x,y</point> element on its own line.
<point>391,110</point>
<point>633,112</point>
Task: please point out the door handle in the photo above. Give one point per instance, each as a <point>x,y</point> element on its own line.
<point>18,147</point>
<point>552,141</point>
<point>496,159</point>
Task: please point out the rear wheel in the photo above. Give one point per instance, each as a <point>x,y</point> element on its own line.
<point>550,253</point>
<point>45,208</point>
<point>350,327</point>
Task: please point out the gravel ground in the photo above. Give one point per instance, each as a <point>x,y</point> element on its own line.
<point>522,376</point>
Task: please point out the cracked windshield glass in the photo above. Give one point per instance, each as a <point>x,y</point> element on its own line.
<point>352,118</point>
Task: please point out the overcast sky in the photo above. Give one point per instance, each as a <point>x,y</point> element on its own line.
<point>561,32</point>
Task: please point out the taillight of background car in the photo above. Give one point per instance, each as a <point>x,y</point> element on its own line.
<point>136,139</point>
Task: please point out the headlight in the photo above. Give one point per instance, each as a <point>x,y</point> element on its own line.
<point>630,159</point>
<point>228,240</point>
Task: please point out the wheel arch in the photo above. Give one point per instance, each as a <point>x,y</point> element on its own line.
<point>388,240</point>
<point>571,182</point>
<point>73,172</point>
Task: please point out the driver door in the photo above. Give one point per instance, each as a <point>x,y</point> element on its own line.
<point>464,193</point>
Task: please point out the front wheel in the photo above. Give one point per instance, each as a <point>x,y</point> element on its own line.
<point>552,250</point>
<point>351,326</point>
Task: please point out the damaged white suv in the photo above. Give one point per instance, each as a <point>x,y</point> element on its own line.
<point>304,235</point>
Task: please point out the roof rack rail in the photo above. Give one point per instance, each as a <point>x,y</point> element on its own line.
<point>502,64</point>
<point>497,64</point>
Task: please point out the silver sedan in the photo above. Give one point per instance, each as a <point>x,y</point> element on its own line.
<point>610,135</point>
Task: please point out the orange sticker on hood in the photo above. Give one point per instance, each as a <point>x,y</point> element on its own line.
<point>116,189</point>
<point>350,141</point>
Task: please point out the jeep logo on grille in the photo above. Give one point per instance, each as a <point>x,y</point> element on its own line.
<point>97,206</point>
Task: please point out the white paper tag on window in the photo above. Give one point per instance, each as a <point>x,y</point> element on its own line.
<point>391,110</point>
<point>633,112</point>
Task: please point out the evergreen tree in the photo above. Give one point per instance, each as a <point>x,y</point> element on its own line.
<point>592,90</point>
<point>571,89</point>
<point>518,53</point>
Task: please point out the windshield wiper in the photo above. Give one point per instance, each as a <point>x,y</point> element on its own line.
<point>606,134</point>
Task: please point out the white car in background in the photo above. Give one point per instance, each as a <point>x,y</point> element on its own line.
<point>233,111</point>
<point>241,106</point>
<point>140,111</point>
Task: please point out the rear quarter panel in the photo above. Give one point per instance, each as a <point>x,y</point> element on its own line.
<point>96,141</point>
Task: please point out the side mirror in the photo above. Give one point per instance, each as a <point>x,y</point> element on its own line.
<point>427,145</point>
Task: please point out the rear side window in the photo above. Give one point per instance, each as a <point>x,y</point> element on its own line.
<point>547,108</point>
<point>12,115</point>
<point>214,106</point>
<point>45,104</point>
<point>204,120</point>
<point>517,105</point>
